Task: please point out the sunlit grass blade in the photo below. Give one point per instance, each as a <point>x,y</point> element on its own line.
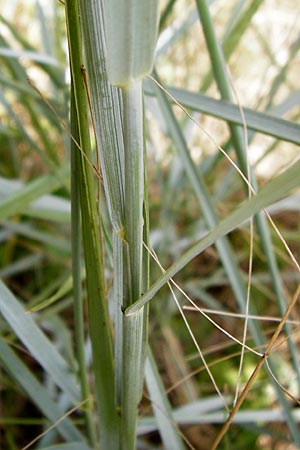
<point>48,207</point>
<point>16,71</point>
<point>56,74</point>
<point>244,417</point>
<point>18,124</point>
<point>210,406</point>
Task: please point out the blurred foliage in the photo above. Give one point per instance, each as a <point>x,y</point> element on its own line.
<point>35,260</point>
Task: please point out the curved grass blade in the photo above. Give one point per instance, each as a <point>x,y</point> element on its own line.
<point>257,121</point>
<point>47,62</point>
<point>271,192</point>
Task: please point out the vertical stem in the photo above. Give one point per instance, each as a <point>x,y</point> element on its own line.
<point>131,377</point>
<point>134,184</point>
<point>99,324</point>
<point>76,274</point>
<point>133,327</point>
<point>118,287</point>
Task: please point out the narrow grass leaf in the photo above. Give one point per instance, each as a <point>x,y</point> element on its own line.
<point>260,122</point>
<point>234,37</point>
<point>242,417</point>
<point>59,294</point>
<point>197,408</point>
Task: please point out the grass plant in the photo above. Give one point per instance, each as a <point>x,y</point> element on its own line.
<point>148,299</point>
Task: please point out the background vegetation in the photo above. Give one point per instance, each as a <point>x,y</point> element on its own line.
<point>192,187</point>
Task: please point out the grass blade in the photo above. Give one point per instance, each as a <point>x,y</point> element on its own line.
<point>225,110</point>
<point>268,194</point>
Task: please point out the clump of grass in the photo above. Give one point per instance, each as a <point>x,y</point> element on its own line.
<point>135,225</point>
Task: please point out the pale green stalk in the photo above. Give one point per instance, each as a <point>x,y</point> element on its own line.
<point>133,332</point>
<point>131,39</point>
<point>233,38</point>
<point>134,184</point>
